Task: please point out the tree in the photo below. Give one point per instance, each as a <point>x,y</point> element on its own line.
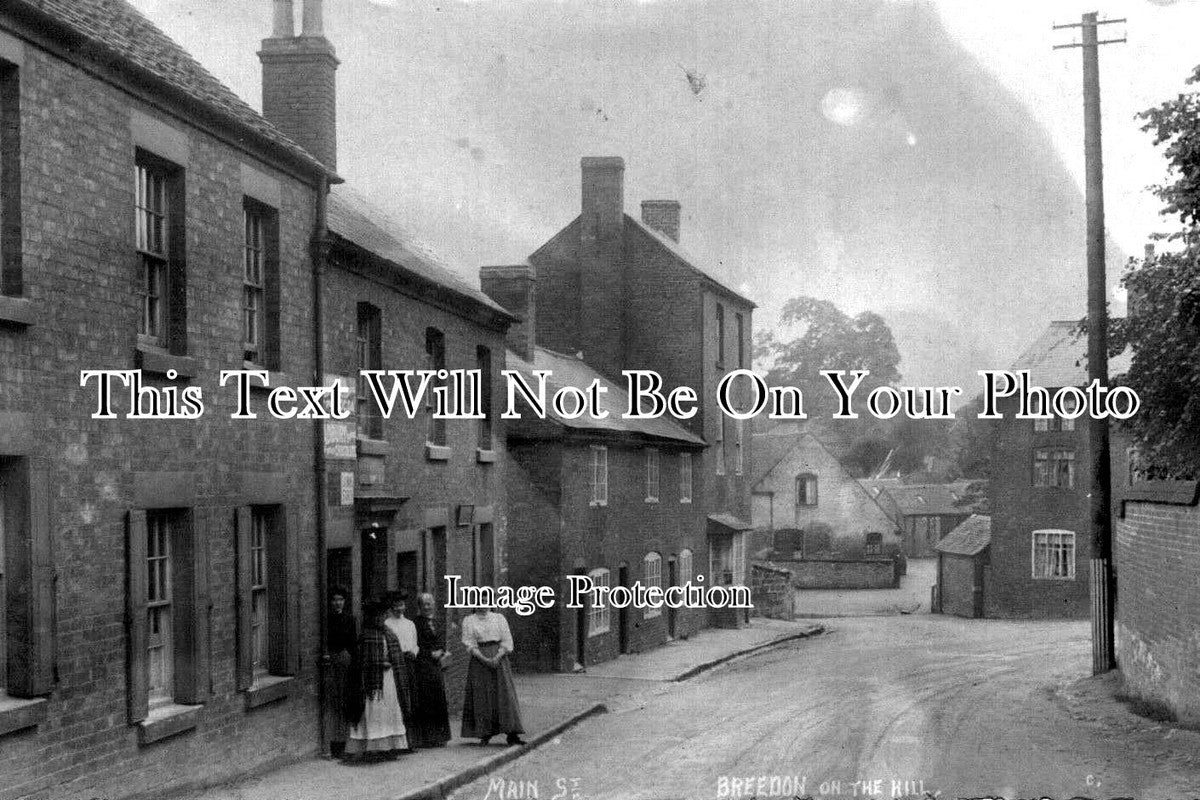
<point>1163,326</point>
<point>828,339</point>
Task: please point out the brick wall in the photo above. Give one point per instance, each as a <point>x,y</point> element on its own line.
<point>80,270</point>
<point>956,584</point>
<point>843,573</point>
<point>1157,556</point>
<point>772,592</point>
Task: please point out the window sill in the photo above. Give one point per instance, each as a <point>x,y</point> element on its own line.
<point>154,359</point>
<point>268,689</point>
<point>652,613</point>
<point>599,632</point>
<point>166,721</point>
<point>436,452</point>
<point>274,377</point>
<point>687,502</point>
<point>17,311</point>
<point>372,447</point>
<point>652,501</point>
<point>18,713</point>
<point>598,504</point>
<point>485,456</point>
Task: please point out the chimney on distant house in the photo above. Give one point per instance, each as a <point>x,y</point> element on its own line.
<point>298,80</point>
<point>513,287</point>
<point>601,330</point>
<point>662,216</point>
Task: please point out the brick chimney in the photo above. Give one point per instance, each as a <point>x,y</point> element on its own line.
<point>601,330</point>
<point>298,83</point>
<point>662,216</point>
<point>513,287</point>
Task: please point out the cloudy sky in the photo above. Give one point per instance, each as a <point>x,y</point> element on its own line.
<point>920,159</point>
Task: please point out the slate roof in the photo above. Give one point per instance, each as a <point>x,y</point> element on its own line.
<point>1059,357</point>
<point>119,29</point>
<point>355,219</point>
<point>922,500</point>
<point>969,538</point>
<point>570,371</point>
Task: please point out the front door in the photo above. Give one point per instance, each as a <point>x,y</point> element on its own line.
<point>623,613</point>
<point>374,564</point>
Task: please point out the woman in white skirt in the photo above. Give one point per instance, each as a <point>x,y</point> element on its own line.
<point>380,728</point>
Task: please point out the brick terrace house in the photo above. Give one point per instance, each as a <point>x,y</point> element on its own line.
<point>157,615</point>
<point>163,581</point>
<point>1040,543</point>
<point>610,498</point>
<point>800,487</point>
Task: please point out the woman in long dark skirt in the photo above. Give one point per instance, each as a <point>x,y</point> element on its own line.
<point>490,704</point>
<point>431,717</point>
<point>340,636</point>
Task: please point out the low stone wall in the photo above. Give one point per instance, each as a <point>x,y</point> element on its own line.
<point>1157,552</point>
<point>771,591</point>
<point>843,573</point>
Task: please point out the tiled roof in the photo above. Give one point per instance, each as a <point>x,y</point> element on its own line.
<point>769,449</point>
<point>929,499</point>
<point>119,28</point>
<point>970,537</point>
<point>569,371</point>
<point>1059,357</point>
<point>679,253</point>
<point>355,219</point>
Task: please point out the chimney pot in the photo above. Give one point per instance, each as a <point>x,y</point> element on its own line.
<point>312,24</point>
<point>662,216</point>
<point>285,20</point>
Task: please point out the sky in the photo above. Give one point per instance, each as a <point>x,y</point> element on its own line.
<point>922,160</point>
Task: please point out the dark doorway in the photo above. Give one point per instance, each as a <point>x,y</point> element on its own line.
<point>672,580</point>
<point>623,613</point>
<point>408,575</point>
<point>433,579</point>
<point>374,564</point>
<point>339,572</point>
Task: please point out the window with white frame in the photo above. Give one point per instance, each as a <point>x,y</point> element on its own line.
<point>685,477</point>
<point>873,545</point>
<point>652,577</point>
<point>152,232</point>
<point>160,653</point>
<point>1054,468</point>
<point>1055,422</point>
<point>1054,554</point>
<point>652,475</point>
<point>738,558</point>
<point>253,280</point>
<point>686,569</point>
<point>599,475</point>
<point>599,617</point>
<point>259,628</point>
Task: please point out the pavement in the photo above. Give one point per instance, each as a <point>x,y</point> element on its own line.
<point>550,705</point>
<point>911,598</point>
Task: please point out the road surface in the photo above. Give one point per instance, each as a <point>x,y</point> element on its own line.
<point>880,707</point>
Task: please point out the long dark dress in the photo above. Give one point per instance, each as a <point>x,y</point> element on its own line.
<point>341,637</point>
<point>431,717</point>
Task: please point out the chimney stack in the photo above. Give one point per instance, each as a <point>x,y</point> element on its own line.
<point>513,288</point>
<point>603,193</point>
<point>662,216</point>
<point>299,84</point>
<point>601,330</point>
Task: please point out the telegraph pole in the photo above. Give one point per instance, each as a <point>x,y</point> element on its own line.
<point>1103,586</point>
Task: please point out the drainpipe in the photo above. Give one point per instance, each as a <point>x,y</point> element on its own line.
<point>318,249</point>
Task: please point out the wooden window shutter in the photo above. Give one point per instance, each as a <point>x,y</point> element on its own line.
<point>138,686</point>
<point>192,607</point>
<point>35,627</point>
<point>284,588</point>
<point>244,601</point>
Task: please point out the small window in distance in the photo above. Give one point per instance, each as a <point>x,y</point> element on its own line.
<point>435,359</point>
<point>260,284</point>
<point>483,364</point>
<point>720,335</point>
<point>741,340</point>
<point>370,356</point>
<point>599,475</point>
<point>685,477</point>
<point>11,279</point>
<point>599,616</point>
<point>652,475</point>
<point>874,544</point>
<point>806,489</point>
<point>686,568</point>
<point>652,574</point>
